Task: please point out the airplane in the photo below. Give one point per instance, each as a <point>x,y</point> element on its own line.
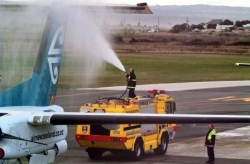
<point>32,128</point>
<point>242,64</point>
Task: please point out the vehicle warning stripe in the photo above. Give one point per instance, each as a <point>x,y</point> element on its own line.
<point>131,138</point>
<point>149,134</point>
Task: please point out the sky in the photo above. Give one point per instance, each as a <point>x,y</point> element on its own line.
<point>242,3</point>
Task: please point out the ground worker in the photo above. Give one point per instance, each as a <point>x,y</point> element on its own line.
<point>172,132</point>
<point>210,142</point>
<point>131,78</point>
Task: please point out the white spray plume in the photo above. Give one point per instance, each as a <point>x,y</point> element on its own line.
<point>85,38</point>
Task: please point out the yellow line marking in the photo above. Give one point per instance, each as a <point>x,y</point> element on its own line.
<point>235,99</point>
<point>231,98</point>
<point>222,98</point>
<point>247,99</point>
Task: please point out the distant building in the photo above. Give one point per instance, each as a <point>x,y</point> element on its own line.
<point>213,22</point>
<point>223,27</point>
<point>247,26</point>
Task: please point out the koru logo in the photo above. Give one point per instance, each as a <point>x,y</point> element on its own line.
<point>54,57</point>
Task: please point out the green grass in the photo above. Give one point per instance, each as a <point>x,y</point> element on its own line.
<point>149,69</point>
<point>165,68</point>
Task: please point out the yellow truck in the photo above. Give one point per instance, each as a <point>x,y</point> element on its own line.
<point>133,138</point>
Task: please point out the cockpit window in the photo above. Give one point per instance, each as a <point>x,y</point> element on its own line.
<point>48,110</point>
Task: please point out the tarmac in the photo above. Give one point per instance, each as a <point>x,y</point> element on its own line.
<point>183,86</point>
<point>232,141</point>
<point>232,144</point>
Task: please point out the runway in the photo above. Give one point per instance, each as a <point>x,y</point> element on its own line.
<point>232,143</point>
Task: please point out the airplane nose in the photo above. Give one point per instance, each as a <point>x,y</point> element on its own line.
<point>1,153</point>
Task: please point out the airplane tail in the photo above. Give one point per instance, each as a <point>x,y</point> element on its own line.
<point>40,89</point>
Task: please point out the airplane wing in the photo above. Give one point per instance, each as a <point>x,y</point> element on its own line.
<point>74,118</point>
<point>140,8</point>
<point>242,64</point>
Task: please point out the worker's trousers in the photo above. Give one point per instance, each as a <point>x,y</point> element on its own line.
<point>131,93</point>
<point>210,153</point>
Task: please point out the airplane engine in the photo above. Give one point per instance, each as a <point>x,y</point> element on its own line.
<point>61,147</point>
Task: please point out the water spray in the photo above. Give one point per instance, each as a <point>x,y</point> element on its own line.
<point>88,42</point>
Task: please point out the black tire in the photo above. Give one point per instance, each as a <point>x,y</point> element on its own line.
<point>113,151</point>
<point>94,153</point>
<point>162,148</point>
<point>138,149</point>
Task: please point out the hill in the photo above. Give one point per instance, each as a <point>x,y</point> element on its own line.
<point>170,15</point>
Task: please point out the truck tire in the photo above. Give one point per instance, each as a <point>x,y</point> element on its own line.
<point>162,148</point>
<point>95,153</point>
<point>116,151</point>
<point>138,149</point>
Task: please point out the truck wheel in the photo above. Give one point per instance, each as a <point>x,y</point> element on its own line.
<point>138,150</point>
<point>162,148</point>
<point>95,153</point>
<point>114,151</point>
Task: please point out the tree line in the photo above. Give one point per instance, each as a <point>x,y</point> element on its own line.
<point>187,27</point>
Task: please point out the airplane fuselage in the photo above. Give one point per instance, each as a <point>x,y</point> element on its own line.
<point>22,139</point>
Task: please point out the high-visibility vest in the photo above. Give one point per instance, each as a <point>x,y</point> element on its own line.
<point>213,132</point>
